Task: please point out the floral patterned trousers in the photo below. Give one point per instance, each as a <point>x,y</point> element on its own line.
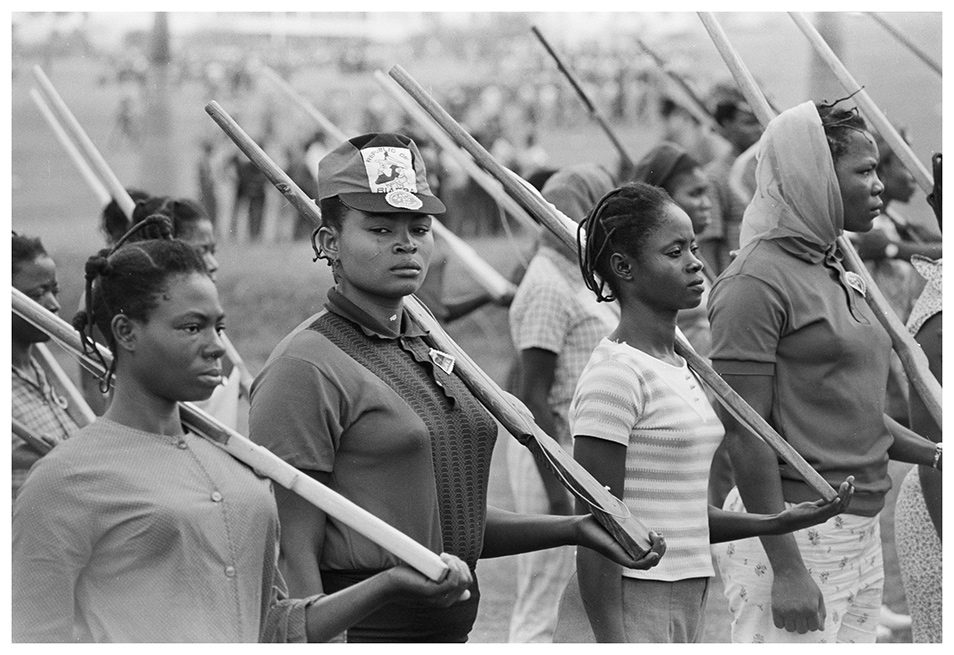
<point>843,556</point>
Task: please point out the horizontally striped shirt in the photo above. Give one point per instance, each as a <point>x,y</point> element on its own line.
<point>661,414</point>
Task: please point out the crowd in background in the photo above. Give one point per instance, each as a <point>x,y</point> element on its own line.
<point>698,184</point>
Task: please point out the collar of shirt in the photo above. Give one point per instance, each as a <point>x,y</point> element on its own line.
<point>340,305</point>
<point>806,250</point>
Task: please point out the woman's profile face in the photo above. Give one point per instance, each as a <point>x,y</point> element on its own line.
<point>690,191</point>
<point>858,182</point>
<point>383,255</point>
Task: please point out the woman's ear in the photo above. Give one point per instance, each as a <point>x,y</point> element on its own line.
<point>327,241</point>
<point>124,332</point>
<point>619,264</point>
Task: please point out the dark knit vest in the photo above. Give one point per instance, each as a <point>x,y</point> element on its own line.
<point>462,432</point>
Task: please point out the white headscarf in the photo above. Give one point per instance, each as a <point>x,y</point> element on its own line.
<point>797,190</point>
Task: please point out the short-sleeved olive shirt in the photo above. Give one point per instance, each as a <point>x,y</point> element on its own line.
<point>786,309</point>
<point>403,439</point>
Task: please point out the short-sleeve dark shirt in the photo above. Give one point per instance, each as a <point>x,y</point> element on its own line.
<point>347,395</point>
<point>787,310</point>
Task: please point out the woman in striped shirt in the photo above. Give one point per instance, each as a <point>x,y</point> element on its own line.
<point>642,424</point>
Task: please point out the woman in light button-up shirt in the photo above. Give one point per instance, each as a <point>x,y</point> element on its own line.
<point>139,531</point>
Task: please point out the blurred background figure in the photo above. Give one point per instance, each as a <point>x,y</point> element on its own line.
<point>35,401</point>
<point>740,128</point>
<point>555,323</point>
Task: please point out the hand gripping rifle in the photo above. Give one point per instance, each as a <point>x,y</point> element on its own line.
<point>259,459</point>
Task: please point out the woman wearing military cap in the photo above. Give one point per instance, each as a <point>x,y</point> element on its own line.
<point>357,397</point>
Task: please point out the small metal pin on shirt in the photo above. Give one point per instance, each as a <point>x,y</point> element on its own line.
<point>442,360</point>
<point>856,282</point>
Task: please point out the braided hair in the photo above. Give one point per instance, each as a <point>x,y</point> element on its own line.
<point>621,220</point>
<point>839,123</point>
<point>128,279</point>
<point>113,222</point>
<point>182,212</point>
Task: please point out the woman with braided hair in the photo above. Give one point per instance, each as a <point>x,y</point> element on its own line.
<point>793,335</point>
<point>643,426</point>
<point>137,530</point>
<point>191,225</point>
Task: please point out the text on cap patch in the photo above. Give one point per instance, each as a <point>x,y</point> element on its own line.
<point>389,168</point>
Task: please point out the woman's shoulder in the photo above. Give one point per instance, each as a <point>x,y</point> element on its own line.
<point>85,457</point>
<point>759,257</point>
<point>759,267</point>
<point>612,359</point>
<point>298,338</point>
<point>305,345</point>
<point>308,358</point>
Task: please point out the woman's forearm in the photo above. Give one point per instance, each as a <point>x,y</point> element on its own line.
<point>332,614</point>
<point>302,540</point>
<point>729,526</point>
<point>909,446</point>
<point>601,589</point>
<point>756,469</point>
<point>759,483</point>
<point>508,533</point>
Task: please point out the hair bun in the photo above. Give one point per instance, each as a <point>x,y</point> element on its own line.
<point>98,265</point>
<point>80,319</point>
<point>155,226</point>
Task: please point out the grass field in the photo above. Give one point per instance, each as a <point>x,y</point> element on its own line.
<point>269,288</point>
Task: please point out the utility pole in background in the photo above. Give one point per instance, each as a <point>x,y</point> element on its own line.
<point>158,157</point>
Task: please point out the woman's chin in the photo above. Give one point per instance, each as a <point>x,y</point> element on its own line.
<point>406,289</point>
<point>198,394</point>
<point>694,300</point>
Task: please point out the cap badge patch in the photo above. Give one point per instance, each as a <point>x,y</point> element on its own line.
<point>403,199</point>
<point>389,168</point>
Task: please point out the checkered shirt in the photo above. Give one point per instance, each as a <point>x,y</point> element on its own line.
<point>38,410</point>
<point>554,310</point>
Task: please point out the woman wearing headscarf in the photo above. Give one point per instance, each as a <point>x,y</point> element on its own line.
<point>792,334</point>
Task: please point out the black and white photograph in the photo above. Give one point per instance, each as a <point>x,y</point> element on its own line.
<point>491,325</point>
